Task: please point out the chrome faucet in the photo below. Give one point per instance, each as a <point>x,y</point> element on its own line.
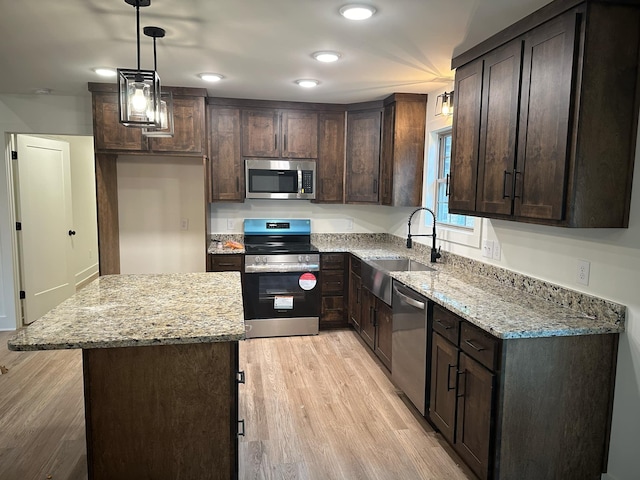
<point>435,252</point>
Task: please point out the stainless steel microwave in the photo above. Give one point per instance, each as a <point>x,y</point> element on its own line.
<point>280,179</point>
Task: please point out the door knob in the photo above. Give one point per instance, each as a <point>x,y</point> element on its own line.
<point>72,232</point>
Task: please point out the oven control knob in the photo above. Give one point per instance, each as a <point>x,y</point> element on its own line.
<point>258,260</point>
<point>306,259</point>
<point>299,258</point>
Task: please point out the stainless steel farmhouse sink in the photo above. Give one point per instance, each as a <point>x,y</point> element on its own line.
<point>376,274</point>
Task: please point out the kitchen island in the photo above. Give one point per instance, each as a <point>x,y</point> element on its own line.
<point>160,361</point>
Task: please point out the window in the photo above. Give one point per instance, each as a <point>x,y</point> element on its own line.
<point>442,184</point>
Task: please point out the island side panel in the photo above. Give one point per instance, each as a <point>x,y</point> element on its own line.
<point>555,405</point>
<point>166,411</point>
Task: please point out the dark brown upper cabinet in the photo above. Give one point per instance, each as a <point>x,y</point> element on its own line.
<point>402,161</point>
<point>226,169</point>
<point>276,133</point>
<point>112,137</point>
<point>544,126</point>
<point>330,164</point>
<point>363,156</point>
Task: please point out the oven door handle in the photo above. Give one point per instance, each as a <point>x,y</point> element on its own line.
<point>281,269</point>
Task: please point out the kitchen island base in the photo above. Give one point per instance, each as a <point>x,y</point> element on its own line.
<point>165,411</point>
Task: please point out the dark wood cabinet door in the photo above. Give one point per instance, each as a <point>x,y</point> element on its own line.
<point>227,169</point>
<point>330,164</point>
<point>261,133</point>
<point>333,311</point>
<point>299,134</point>
<point>466,133</point>
<point>363,156</point>
<point>442,402</point>
<point>367,327</point>
<point>497,155</point>
<point>108,132</point>
<point>355,300</point>
<point>384,326</point>
<point>189,129</point>
<point>541,169</point>
<point>228,262</point>
<point>473,430</point>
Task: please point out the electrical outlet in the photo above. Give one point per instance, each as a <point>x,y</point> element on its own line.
<point>496,250</point>
<point>349,224</point>
<point>487,248</point>
<point>231,224</point>
<point>184,224</point>
<point>582,272</point>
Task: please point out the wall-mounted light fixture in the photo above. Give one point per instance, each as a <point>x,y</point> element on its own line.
<point>139,90</point>
<point>444,104</point>
<point>166,98</point>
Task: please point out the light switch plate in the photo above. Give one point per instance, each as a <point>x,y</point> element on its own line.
<point>231,224</point>
<point>496,250</point>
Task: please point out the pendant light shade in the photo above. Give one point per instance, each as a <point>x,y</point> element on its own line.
<point>139,90</point>
<point>165,129</point>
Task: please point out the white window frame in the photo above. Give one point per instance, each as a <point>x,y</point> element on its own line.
<point>455,234</point>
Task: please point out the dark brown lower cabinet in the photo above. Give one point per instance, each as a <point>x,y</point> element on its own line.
<point>376,325</point>
<point>522,408</point>
<point>333,310</point>
<point>355,293</point>
<point>226,262</point>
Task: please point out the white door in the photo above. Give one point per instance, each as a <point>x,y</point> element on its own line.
<point>43,186</point>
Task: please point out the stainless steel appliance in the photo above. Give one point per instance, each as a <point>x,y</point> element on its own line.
<point>280,179</point>
<point>409,344</point>
<point>281,284</point>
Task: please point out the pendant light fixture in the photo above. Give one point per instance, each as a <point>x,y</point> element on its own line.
<point>139,90</point>
<point>444,104</point>
<point>166,98</point>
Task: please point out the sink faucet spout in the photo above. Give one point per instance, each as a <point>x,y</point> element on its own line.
<point>435,252</point>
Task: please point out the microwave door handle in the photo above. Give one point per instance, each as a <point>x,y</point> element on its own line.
<point>299,179</point>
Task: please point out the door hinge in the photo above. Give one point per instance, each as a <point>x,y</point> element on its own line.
<point>14,155</point>
<point>18,226</point>
<point>23,294</point>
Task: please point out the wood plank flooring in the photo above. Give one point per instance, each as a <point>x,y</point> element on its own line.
<point>318,407</point>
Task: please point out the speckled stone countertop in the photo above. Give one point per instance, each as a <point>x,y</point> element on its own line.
<point>505,304</point>
<point>138,310</point>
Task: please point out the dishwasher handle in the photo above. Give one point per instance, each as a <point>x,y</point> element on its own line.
<point>411,301</point>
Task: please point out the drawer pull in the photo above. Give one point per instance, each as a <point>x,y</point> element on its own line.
<point>474,346</point>
<point>240,378</point>
<point>446,327</point>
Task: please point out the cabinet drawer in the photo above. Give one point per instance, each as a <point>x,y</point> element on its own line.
<point>332,282</point>
<point>480,345</point>
<point>225,263</point>
<point>332,261</point>
<point>446,324</point>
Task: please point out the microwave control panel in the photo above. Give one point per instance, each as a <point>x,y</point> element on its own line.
<point>307,181</point>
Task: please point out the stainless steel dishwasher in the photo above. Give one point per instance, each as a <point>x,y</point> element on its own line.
<point>409,344</point>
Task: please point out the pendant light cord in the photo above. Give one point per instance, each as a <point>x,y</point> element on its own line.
<point>138,30</point>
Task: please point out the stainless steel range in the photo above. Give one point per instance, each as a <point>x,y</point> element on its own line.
<point>281,288</point>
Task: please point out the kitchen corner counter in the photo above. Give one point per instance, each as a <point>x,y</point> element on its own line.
<point>142,310</point>
<point>505,304</point>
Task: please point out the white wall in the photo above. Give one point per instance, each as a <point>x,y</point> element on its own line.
<point>157,198</point>
<point>50,114</point>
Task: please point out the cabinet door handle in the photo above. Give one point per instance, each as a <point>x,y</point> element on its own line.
<point>375,317</point>
<point>515,184</point>
<point>285,142</point>
<point>446,189</point>
<point>240,378</point>
<point>474,346</point>
<point>458,373</point>
<point>241,430</point>
<point>446,327</point>
<point>449,387</point>
<point>505,194</point>
<point>237,184</point>
<point>375,186</point>
<point>275,141</point>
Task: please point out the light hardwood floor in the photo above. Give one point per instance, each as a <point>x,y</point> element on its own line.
<point>318,407</point>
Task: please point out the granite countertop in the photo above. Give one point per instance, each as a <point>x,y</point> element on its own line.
<point>496,306</point>
<point>138,310</point>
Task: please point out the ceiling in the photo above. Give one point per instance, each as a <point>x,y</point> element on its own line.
<point>260,46</point>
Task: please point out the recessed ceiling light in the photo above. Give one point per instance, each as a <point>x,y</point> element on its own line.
<point>357,11</point>
<point>105,71</point>
<point>307,82</point>
<point>210,77</point>
<point>326,56</point>
<point>42,91</point>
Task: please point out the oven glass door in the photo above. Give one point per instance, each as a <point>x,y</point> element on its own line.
<point>281,295</point>
<point>273,181</point>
